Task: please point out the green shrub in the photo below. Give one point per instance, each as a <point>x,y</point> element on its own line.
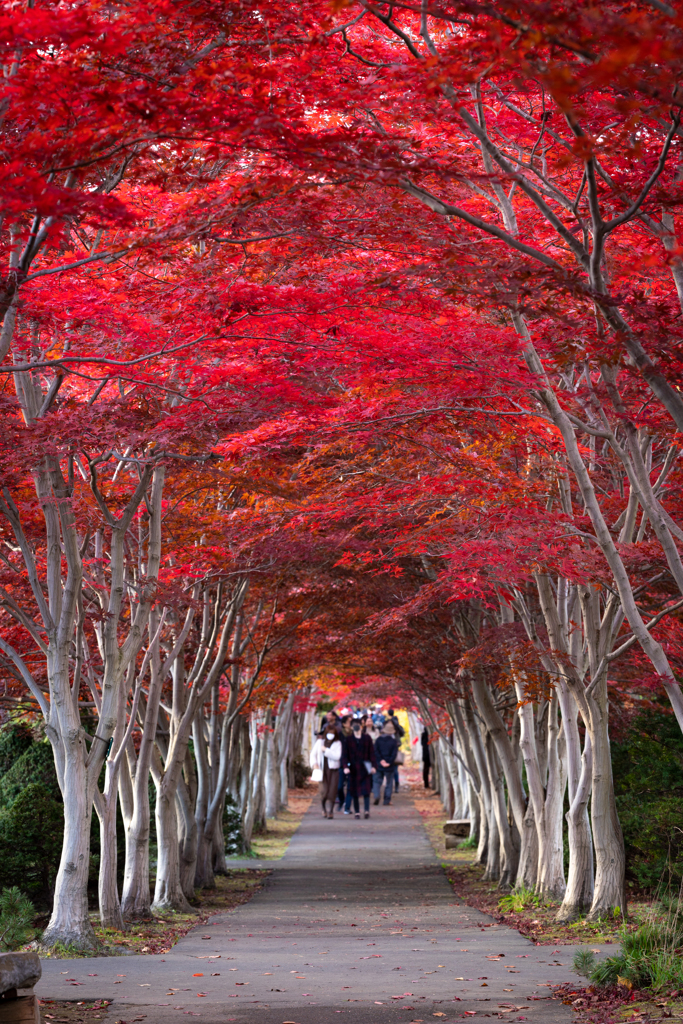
<point>650,957</point>
<point>36,764</point>
<point>16,915</point>
<point>300,771</point>
<point>31,831</point>
<point>15,739</point>
<point>648,777</point>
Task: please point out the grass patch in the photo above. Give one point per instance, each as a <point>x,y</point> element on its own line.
<point>272,844</point>
<point>651,956</point>
<point>433,817</point>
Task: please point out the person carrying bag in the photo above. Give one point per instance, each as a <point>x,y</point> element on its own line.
<point>325,761</point>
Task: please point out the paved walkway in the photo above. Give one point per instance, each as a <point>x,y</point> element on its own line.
<point>357,924</point>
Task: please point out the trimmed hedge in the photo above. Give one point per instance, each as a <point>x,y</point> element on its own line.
<point>648,779</point>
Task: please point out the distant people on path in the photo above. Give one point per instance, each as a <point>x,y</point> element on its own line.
<point>372,730</point>
<point>426,756</point>
<point>400,733</point>
<point>326,756</point>
<point>386,749</point>
<point>343,778</point>
<point>330,718</point>
<point>359,767</point>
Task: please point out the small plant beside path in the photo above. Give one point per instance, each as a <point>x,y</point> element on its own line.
<point>643,981</point>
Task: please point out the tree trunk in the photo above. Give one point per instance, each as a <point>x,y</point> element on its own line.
<point>107,885</point>
<point>257,770</point>
<point>187,844</point>
<point>70,921</point>
<point>510,855</point>
<point>610,858</point>
<point>168,891</point>
<point>580,877</point>
<point>220,864</point>
<point>527,870</point>
<point>272,779</point>
<point>551,875</point>
<point>580,880</point>
<point>204,877</point>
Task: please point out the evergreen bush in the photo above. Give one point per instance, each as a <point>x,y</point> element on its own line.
<point>15,739</point>
<point>16,915</point>
<point>31,831</point>
<point>35,765</point>
<point>648,779</point>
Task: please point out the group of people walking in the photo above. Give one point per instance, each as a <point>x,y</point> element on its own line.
<point>354,757</point>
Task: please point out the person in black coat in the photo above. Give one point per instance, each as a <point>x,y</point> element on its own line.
<point>426,757</point>
<point>359,753</point>
<point>386,749</point>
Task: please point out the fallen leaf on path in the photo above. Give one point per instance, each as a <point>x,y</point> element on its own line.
<point>198,975</point>
<point>438,1014</point>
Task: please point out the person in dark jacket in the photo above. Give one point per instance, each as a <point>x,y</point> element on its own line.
<point>386,749</point>
<point>400,733</point>
<point>426,757</point>
<point>359,767</point>
<point>344,779</point>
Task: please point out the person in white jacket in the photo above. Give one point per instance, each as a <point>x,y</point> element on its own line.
<point>326,757</point>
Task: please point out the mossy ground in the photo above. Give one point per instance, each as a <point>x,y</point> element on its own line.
<point>87,1011</point>
<point>162,931</point>
<point>536,920</point>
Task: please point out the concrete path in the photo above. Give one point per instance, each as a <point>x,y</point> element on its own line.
<point>357,924</point>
